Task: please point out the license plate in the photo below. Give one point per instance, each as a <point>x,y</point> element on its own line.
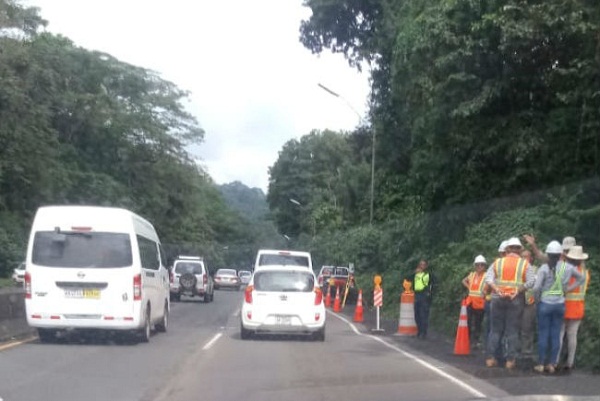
<point>283,320</point>
<point>86,293</point>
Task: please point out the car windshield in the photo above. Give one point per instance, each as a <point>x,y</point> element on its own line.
<point>245,274</point>
<point>81,249</point>
<point>188,267</point>
<point>283,281</point>
<point>282,259</point>
<point>327,271</point>
<point>341,271</point>
<point>226,272</point>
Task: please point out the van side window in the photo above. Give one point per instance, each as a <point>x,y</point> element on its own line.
<point>148,253</point>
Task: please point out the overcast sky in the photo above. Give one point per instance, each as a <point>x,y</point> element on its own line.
<point>253,85</point>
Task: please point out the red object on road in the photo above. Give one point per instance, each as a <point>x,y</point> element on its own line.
<point>336,304</point>
<point>461,345</point>
<point>328,299</point>
<point>358,312</point>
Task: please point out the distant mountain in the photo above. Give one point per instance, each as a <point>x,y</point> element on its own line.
<point>250,202</point>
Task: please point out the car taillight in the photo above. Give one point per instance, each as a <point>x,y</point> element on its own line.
<point>318,296</point>
<point>137,287</point>
<point>171,277</point>
<point>248,294</point>
<point>320,280</point>
<point>27,285</point>
<point>205,279</point>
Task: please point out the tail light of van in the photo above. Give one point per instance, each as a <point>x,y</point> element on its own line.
<point>248,294</point>
<point>171,277</point>
<point>320,280</point>
<point>27,285</point>
<point>318,296</point>
<point>137,287</point>
<point>205,279</point>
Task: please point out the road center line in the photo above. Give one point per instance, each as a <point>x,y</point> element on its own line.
<point>212,341</point>
<point>460,383</point>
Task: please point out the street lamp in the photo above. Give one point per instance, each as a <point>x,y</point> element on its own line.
<point>360,119</point>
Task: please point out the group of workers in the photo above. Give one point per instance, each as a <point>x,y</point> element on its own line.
<point>511,293</point>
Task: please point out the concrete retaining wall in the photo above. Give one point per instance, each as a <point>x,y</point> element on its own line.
<point>12,303</point>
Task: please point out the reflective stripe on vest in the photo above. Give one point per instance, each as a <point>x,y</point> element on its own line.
<point>421,281</point>
<point>509,272</point>
<point>476,297</point>
<point>476,284</point>
<point>578,294</point>
<point>557,287</point>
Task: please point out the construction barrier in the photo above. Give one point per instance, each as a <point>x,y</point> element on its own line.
<point>407,326</point>
<point>358,312</point>
<point>336,303</point>
<point>461,345</point>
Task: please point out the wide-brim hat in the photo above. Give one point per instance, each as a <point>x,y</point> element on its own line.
<point>576,253</point>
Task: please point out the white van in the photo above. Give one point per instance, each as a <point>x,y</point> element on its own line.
<point>276,257</point>
<point>93,267</point>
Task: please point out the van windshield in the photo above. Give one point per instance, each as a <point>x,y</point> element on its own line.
<point>81,249</point>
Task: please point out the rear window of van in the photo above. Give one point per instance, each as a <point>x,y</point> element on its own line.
<point>81,249</point>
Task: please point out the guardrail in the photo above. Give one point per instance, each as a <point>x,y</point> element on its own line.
<point>12,303</point>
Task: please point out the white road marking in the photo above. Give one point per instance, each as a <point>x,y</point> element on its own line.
<point>237,313</point>
<point>212,341</point>
<point>470,389</point>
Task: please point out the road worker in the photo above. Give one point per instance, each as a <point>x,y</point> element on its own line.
<point>475,283</point>
<point>508,278</point>
<point>422,284</point>
<point>574,305</point>
<point>552,282</point>
<point>529,312</point>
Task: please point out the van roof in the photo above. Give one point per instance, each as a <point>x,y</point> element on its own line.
<point>92,218</point>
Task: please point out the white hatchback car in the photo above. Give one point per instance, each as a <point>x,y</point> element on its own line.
<point>283,300</point>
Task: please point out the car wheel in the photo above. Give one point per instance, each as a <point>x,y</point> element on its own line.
<point>47,335</point>
<point>145,332</point>
<point>164,322</point>
<point>319,335</point>
<point>245,334</point>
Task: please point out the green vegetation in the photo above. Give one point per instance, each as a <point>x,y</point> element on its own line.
<point>486,116</point>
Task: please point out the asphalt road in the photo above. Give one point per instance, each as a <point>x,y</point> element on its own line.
<point>203,357</point>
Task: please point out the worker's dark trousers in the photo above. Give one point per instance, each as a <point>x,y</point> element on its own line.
<point>506,320</point>
<point>422,304</point>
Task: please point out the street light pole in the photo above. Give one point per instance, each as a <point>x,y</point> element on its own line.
<point>360,119</point>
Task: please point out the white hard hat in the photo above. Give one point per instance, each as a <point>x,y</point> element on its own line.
<point>502,246</point>
<point>479,259</point>
<point>568,243</point>
<point>554,247</point>
<point>514,241</point>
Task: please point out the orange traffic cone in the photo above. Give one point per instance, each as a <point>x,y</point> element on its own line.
<point>461,345</point>
<point>407,326</point>
<point>358,312</point>
<point>336,303</point>
<point>328,297</point>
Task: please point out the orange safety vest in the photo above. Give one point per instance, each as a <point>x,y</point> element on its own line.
<point>575,299</point>
<point>510,273</point>
<point>476,296</point>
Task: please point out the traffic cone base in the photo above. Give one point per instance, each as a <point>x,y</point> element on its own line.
<point>461,345</point>
<point>336,304</point>
<point>358,312</point>
<point>407,325</point>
